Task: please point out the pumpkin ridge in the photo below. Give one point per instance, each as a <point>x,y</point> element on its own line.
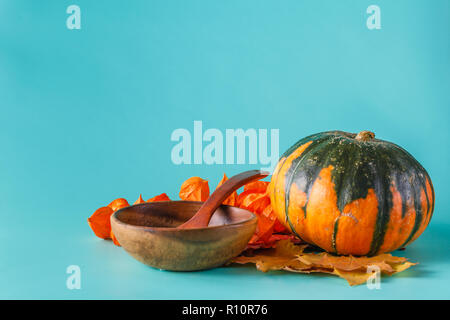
<point>408,185</point>
<point>279,173</point>
<point>424,187</point>
<point>321,210</point>
<point>416,179</point>
<point>432,194</point>
<point>398,225</point>
<point>411,161</point>
<point>277,176</point>
<point>385,203</point>
<point>334,236</point>
<point>419,214</point>
<point>290,173</point>
<point>344,190</point>
<point>319,151</point>
<point>397,178</point>
<point>289,181</point>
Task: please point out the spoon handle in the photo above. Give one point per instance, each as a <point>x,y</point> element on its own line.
<point>204,214</point>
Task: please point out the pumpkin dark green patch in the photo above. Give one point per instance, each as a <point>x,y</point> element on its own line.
<point>359,163</point>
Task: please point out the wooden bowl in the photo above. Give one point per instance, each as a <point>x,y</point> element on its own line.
<point>148,233</point>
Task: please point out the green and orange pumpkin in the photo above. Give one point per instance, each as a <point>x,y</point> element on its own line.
<point>352,194</point>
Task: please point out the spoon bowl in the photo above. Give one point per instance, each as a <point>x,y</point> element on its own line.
<point>149,233</point>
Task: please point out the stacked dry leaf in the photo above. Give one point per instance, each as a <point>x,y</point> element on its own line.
<point>290,257</point>
<point>272,247</point>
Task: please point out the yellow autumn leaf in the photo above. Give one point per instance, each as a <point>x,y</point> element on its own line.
<point>290,257</point>
<point>282,257</point>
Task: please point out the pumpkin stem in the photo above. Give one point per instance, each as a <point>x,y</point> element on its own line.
<point>365,136</point>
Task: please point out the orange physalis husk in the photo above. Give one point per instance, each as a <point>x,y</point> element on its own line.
<point>278,227</point>
<point>290,257</point>
<point>194,189</point>
<point>100,220</point>
<point>255,198</point>
<point>264,229</point>
<point>140,200</point>
<point>232,199</point>
<point>255,202</point>
<point>258,205</point>
<point>242,196</point>
<point>100,223</point>
<point>118,204</point>
<point>114,239</point>
<point>257,186</point>
<point>161,197</point>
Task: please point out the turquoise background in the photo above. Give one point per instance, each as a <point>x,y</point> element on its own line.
<point>86,117</point>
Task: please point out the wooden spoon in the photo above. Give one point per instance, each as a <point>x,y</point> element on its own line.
<point>203,215</point>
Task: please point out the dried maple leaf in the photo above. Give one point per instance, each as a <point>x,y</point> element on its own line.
<point>353,277</point>
<point>289,257</point>
<point>161,197</point>
<point>350,263</point>
<point>282,257</point>
<point>100,223</point>
<point>194,189</point>
<point>264,229</point>
<point>232,199</point>
<point>140,200</point>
